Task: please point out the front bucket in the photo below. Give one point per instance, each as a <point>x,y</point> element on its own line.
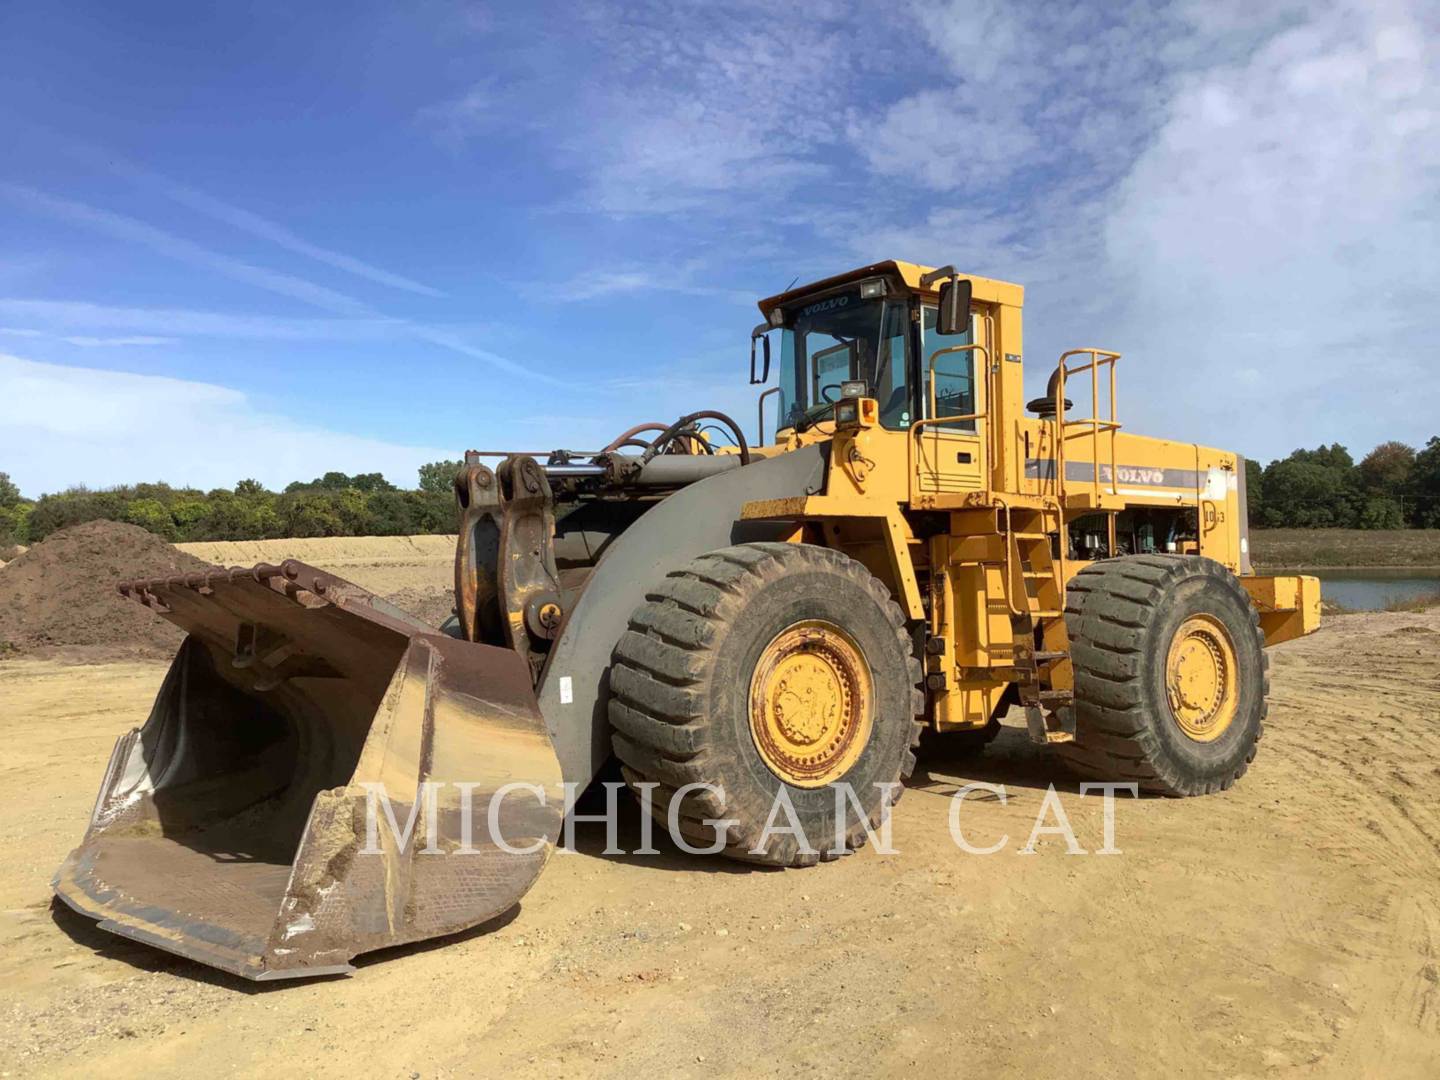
<point>318,778</point>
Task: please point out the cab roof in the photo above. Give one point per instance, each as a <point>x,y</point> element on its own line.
<point>985,290</point>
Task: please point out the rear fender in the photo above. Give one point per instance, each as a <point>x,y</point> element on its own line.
<point>704,516</point>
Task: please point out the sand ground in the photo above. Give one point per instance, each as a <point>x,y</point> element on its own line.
<point>380,563</point>
<point>1289,926</point>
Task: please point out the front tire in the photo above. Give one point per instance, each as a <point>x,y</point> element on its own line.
<point>1170,674</point>
<point>764,668</point>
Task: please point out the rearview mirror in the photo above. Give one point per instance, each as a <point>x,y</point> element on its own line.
<point>954,313</point>
<point>760,332</point>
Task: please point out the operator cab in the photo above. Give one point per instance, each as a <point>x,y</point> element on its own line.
<point>875,330</point>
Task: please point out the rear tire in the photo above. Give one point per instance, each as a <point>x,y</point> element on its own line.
<point>685,673</point>
<point>1170,674</point>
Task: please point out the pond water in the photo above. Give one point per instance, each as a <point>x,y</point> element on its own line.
<point>1372,590</point>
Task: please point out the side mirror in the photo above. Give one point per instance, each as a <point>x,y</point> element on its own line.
<point>954,314</point>
<point>760,333</point>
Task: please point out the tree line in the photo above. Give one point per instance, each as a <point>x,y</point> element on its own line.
<point>1393,487</point>
<point>336,504</point>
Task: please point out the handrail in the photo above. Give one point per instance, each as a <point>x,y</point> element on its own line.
<point>930,383</point>
<point>760,414</point>
<point>1008,575</point>
<point>1057,563</point>
<point>1098,358</point>
<point>933,420</point>
<point>1063,543</point>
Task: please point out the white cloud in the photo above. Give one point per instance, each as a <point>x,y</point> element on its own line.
<point>931,139</point>
<point>1066,88</point>
<point>1241,197</point>
<point>253,223</point>
<point>1286,218</point>
<point>1244,201</point>
<point>74,315</point>
<point>68,425</point>
<point>597,283</point>
<point>684,104</point>
<point>177,247</point>
<point>612,281</point>
<point>687,116</point>
<point>86,341</point>
<point>183,250</point>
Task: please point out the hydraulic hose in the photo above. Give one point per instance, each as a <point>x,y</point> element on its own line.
<point>627,437</point>
<point>685,421</point>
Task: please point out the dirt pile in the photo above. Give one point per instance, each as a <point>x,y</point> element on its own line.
<point>61,592</point>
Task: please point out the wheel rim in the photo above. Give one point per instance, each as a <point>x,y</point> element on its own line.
<point>1201,678</point>
<point>811,704</point>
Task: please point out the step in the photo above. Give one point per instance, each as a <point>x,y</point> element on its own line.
<point>1040,730</point>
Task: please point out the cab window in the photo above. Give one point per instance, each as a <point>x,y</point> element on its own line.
<point>954,372</point>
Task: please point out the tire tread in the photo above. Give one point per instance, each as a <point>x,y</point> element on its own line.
<point>1108,622</point>
<point>661,660</point>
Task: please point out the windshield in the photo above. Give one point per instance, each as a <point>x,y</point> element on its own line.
<point>840,337</point>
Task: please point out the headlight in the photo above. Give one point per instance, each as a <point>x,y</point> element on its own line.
<point>869,290</point>
<point>853,388</point>
<point>777,317</point>
<point>847,413</point>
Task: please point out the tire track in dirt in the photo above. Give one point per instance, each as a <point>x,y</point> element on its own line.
<point>1376,769</point>
<point>1289,925</point>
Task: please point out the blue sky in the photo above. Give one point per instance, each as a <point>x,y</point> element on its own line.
<point>272,239</point>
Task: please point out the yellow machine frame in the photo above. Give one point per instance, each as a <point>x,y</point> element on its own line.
<point>1023,479</point>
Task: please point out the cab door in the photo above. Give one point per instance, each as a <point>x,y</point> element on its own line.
<point>948,446</point>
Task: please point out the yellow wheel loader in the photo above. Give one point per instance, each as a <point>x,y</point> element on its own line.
<point>916,547</point>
